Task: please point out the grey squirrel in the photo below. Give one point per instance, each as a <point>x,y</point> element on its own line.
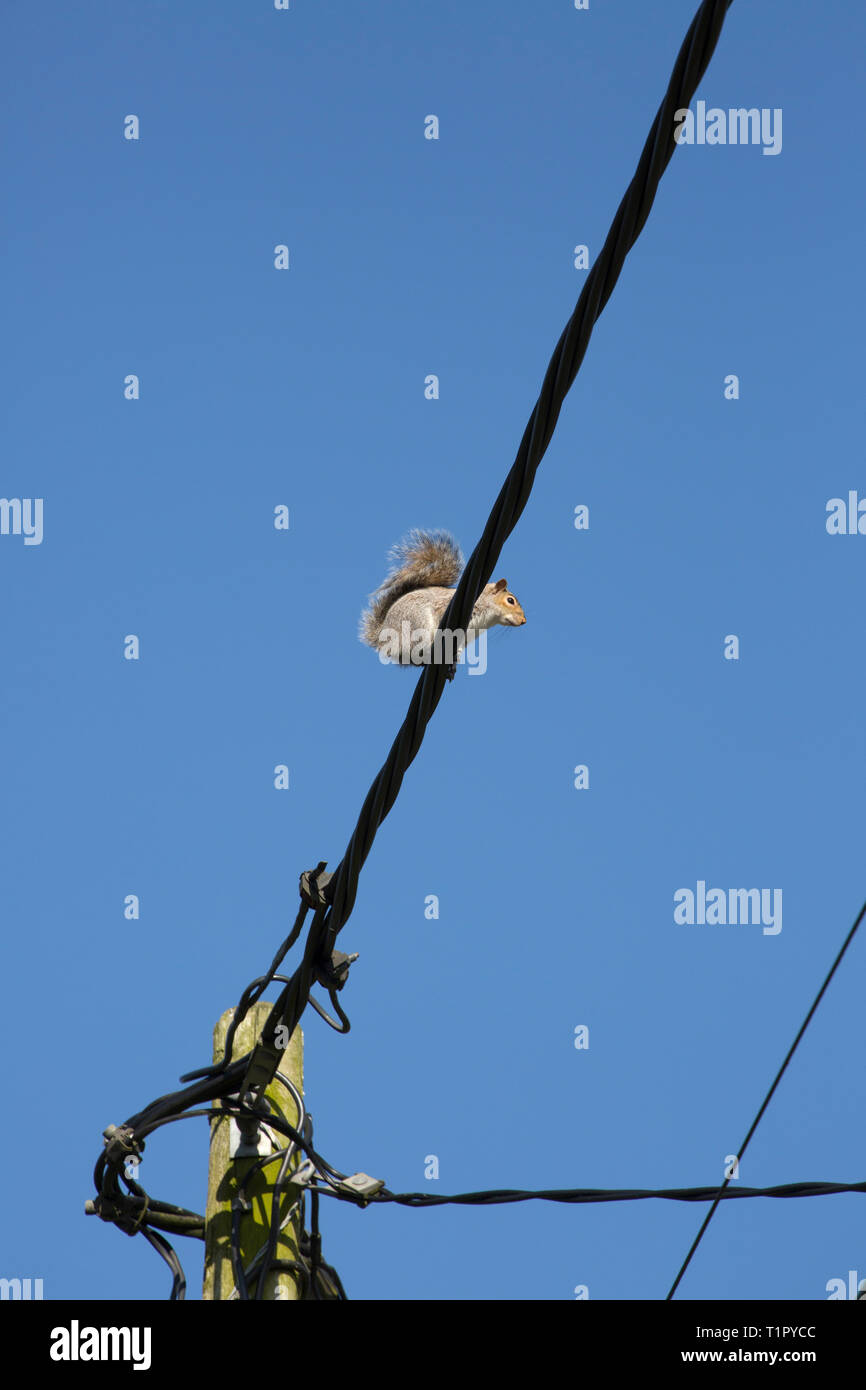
<point>405,611</point>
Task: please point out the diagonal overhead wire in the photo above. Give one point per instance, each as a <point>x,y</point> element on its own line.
<point>338,897</point>
<point>333,898</point>
<point>769,1096</point>
<point>691,63</point>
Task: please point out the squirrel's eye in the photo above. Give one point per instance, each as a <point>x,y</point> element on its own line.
<point>509,599</point>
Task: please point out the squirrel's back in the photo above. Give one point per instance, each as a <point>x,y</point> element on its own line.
<point>422,560</point>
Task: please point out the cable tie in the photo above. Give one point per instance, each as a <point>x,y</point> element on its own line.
<point>141,1215</point>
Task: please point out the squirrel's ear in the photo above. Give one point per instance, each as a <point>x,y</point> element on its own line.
<point>500,585</point>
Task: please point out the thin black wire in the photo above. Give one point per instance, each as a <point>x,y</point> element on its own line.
<point>768,1097</point>
<point>253,992</point>
<point>282,1179</point>
<point>162,1247</point>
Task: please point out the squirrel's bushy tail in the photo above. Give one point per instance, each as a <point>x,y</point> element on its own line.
<point>422,560</point>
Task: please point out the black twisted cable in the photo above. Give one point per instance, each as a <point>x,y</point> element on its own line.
<point>579,1195</point>
<point>691,63</point>
<point>694,56</point>
<point>338,898</point>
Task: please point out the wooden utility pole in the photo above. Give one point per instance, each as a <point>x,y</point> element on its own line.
<point>227,1171</point>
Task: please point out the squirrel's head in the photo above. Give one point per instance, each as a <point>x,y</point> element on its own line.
<point>507,607</point>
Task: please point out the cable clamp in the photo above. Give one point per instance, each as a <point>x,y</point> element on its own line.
<point>334,973</point>
<point>313,886</point>
<point>261,1068</point>
<point>308,1174</point>
<point>362,1185</point>
<point>121,1144</point>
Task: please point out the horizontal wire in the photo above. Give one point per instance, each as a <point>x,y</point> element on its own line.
<point>580,1195</point>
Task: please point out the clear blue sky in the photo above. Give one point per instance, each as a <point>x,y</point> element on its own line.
<point>306,387</point>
